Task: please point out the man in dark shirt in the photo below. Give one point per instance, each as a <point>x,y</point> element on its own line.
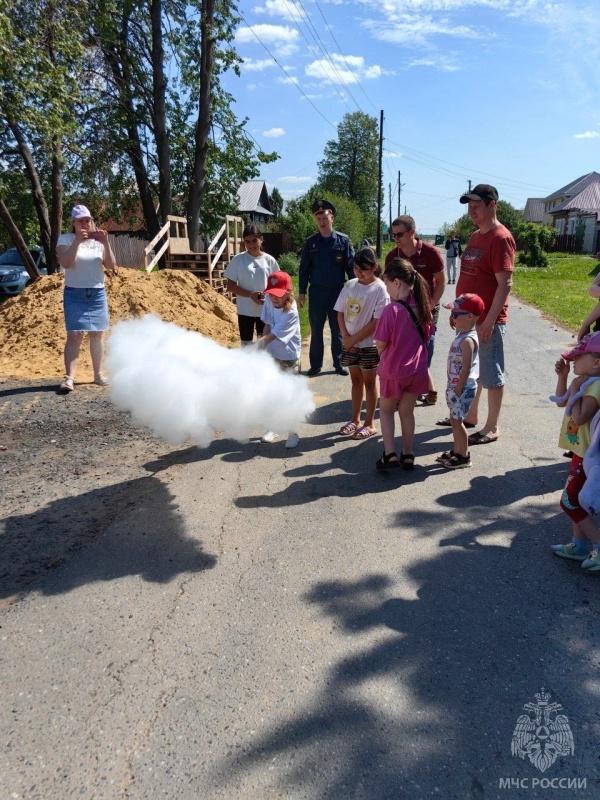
<point>325,264</point>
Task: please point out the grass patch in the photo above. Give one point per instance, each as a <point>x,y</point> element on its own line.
<point>560,291</point>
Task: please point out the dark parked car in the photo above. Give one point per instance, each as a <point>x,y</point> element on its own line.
<point>13,275</point>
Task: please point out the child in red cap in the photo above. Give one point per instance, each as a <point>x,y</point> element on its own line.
<point>463,373</point>
<point>281,335</point>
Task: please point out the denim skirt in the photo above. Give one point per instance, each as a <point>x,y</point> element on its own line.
<point>85,309</point>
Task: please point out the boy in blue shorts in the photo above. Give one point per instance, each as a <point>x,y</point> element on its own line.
<point>463,372</point>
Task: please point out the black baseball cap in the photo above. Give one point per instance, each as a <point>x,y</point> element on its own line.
<point>483,191</point>
<point>322,205</point>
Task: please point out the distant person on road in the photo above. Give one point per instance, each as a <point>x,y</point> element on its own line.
<point>581,402</point>
<point>359,306</point>
<point>463,372</point>
<point>486,269</point>
<point>325,264</point>
<point>428,262</point>
<point>401,338</point>
<point>593,318</point>
<point>281,335</point>
<point>84,254</point>
<point>247,275</point>
<point>453,251</point>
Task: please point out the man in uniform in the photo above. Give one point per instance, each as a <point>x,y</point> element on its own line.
<point>428,262</point>
<point>486,269</point>
<point>325,264</point>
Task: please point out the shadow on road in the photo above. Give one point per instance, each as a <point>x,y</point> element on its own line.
<point>149,541</point>
<point>425,702</point>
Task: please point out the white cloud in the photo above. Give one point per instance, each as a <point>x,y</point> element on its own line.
<point>281,38</point>
<point>292,12</point>
<point>587,135</point>
<point>289,79</point>
<point>439,62</point>
<point>345,70</point>
<point>415,30</point>
<point>251,65</point>
<point>274,133</point>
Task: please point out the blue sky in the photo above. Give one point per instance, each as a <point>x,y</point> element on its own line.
<point>497,91</point>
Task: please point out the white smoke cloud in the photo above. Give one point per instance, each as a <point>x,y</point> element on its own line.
<point>184,386</point>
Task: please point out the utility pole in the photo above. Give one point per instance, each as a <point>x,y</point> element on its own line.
<point>379,186</point>
<point>400,185</point>
<point>469,192</point>
<point>390,204</point>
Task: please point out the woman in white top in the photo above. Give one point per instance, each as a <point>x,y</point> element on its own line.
<point>84,253</point>
<point>247,275</point>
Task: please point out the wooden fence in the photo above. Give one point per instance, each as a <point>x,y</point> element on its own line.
<point>129,251</point>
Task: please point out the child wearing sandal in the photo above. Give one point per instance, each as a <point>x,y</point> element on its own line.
<point>401,338</point>
<point>463,372</point>
<point>359,306</point>
<point>581,402</point>
<point>281,334</point>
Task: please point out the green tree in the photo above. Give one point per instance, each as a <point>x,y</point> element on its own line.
<point>350,163</point>
<point>276,203</point>
<point>532,241</point>
<point>508,215</point>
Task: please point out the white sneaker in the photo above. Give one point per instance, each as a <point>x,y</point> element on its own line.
<point>101,380</point>
<point>268,437</point>
<point>292,440</point>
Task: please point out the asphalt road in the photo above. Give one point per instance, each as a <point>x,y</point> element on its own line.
<point>269,624</point>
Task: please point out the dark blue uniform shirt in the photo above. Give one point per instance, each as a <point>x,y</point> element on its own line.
<point>325,261</point>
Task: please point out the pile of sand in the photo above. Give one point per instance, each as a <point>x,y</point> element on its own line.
<point>32,328</point>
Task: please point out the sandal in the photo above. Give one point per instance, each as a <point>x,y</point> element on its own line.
<point>386,462</point>
<point>67,385</point>
<point>348,428</point>
<point>430,399</point>
<point>407,460</point>
<point>444,456</point>
<point>446,423</point>
<point>457,461</point>
<point>364,433</point>
<point>482,438</point>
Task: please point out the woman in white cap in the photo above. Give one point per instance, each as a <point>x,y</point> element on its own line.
<point>84,253</point>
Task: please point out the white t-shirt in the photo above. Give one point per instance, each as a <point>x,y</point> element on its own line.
<point>285,325</point>
<point>361,303</point>
<point>87,272</point>
<point>250,273</point>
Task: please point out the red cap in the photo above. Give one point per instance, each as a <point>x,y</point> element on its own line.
<point>468,302</point>
<point>278,284</point>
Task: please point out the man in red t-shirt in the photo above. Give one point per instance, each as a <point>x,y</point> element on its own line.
<point>486,269</point>
<point>428,262</point>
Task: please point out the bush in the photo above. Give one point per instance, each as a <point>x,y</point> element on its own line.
<point>532,241</point>
<point>289,262</point>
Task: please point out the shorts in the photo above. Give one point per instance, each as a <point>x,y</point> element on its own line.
<point>491,359</point>
<point>367,358</point>
<point>458,406</point>
<point>394,387</point>
<point>85,310</point>
<point>246,327</point>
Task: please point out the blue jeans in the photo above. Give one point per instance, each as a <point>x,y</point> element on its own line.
<point>491,359</point>
<point>321,301</point>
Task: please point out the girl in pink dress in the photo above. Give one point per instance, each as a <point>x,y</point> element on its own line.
<point>401,337</point>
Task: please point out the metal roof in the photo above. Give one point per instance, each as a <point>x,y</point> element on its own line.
<point>534,209</point>
<point>587,200</point>
<point>254,197</point>
<point>575,187</point>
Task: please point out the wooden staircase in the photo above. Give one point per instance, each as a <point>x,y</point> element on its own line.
<point>208,266</point>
